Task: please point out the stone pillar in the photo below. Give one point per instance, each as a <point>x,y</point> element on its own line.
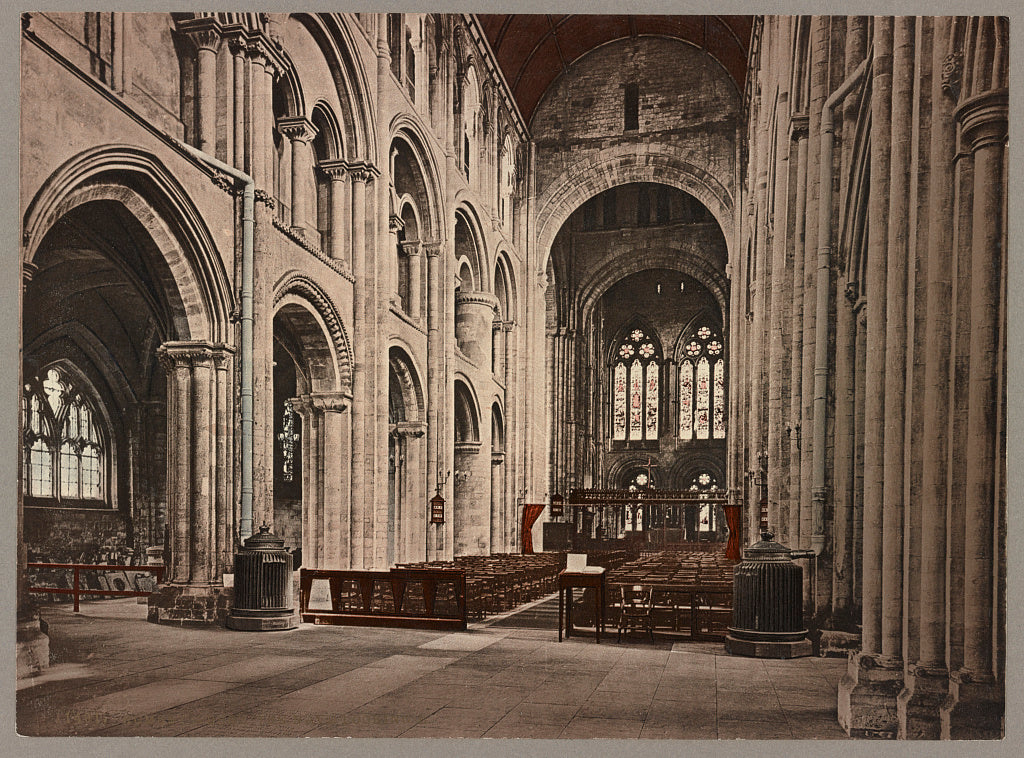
<point>497,499</point>
<point>359,176</point>
<point>411,494</point>
<point>975,704</point>
<point>300,131</point>
<point>195,441</point>
<point>927,683</point>
<point>395,225</point>
<point>266,126</point>
<point>236,152</point>
<point>799,131</point>
<point>867,693</point>
<point>435,380</point>
<point>206,38</point>
<point>412,250</point>
<point>474,316</point>
<point>341,211</point>
<point>259,103</point>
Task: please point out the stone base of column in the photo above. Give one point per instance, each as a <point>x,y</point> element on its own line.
<point>974,708</point>
<point>190,605</point>
<point>836,644</point>
<point>918,705</point>
<point>768,649</point>
<point>33,644</point>
<point>867,696</point>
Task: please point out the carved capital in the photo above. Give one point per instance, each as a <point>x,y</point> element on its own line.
<point>336,170</point>
<point>410,429</point>
<point>477,297</point>
<point>297,129</point>
<point>395,224</point>
<point>410,247</point>
<point>362,172</point>
<point>188,354</point>
<point>432,249</point>
<point>852,291</point>
<point>799,126</point>
<point>204,32</point>
<point>330,402</point>
<point>237,44</point>
<point>222,181</point>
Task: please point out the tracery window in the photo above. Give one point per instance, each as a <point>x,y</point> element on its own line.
<point>65,454</point>
<point>635,388</point>
<point>702,386</point>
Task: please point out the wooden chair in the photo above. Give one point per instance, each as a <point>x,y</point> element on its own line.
<point>635,610</point>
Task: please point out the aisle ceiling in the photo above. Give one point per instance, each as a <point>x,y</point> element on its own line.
<point>533,49</point>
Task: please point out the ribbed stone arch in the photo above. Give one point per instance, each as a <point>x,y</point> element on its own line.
<point>306,289</point>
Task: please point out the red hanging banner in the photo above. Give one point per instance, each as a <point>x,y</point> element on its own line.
<point>530,514</point>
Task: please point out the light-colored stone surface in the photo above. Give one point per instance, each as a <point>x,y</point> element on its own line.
<point>323,681</point>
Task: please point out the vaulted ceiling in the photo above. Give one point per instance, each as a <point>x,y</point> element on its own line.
<point>533,49</point>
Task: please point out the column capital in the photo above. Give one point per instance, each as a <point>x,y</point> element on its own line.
<point>799,126</point>
<point>237,43</point>
<point>476,297</point>
<point>333,401</point>
<point>395,224</point>
<point>432,249</point>
<point>336,170</point>
<point>413,429</point>
<point>952,70</point>
<point>191,353</point>
<point>410,247</point>
<point>362,172</point>
<point>297,128</point>
<point>204,32</point>
<point>984,119</point>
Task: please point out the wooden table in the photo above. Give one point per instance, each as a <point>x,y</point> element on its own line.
<point>569,580</point>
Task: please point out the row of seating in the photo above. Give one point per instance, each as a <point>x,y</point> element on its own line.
<point>687,593</point>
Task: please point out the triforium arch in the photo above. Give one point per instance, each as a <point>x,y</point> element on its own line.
<point>415,171</point>
<point>407,483</point>
<point>310,424</point>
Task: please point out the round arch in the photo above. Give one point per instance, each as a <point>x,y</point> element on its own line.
<point>637,164</point>
<point>409,386</point>
<point>467,411</point>
<point>469,243</point>
<point>193,274</point>
<point>299,290</point>
<point>407,132</point>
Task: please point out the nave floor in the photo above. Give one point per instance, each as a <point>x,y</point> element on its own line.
<point>115,674</point>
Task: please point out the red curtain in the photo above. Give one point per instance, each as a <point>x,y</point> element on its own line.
<point>530,515</point>
<point>732,520</point>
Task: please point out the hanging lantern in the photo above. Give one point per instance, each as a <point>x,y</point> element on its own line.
<point>437,509</point>
<point>557,505</point>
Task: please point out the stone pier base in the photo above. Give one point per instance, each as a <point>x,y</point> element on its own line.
<point>918,704</point>
<point>33,645</point>
<point>867,697</point>
<point>974,708</point>
<point>190,605</point>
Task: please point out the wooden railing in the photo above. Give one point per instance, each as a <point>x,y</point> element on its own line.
<point>77,591</point>
<point>410,598</point>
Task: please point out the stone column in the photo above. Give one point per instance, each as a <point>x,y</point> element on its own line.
<point>975,703</point>
<point>927,680</point>
<point>359,176</point>
<point>859,383</point>
<point>196,427</point>
<point>411,501</point>
<point>414,306</point>
<point>236,151</point>
<point>867,694</point>
<point>334,424</point>
<point>206,39</point>
<point>259,97</point>
<point>497,499</point>
<point>341,211</point>
<point>799,131</point>
<point>266,126</point>
<point>395,225</point>
<point>435,379</point>
<point>300,131</point>
<point>474,316</point>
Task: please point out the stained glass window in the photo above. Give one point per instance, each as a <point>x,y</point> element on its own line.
<point>635,388</point>
<point>703,400</point>
<point>288,438</point>
<point>702,386</point>
<point>686,400</point>
<point>68,466</point>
